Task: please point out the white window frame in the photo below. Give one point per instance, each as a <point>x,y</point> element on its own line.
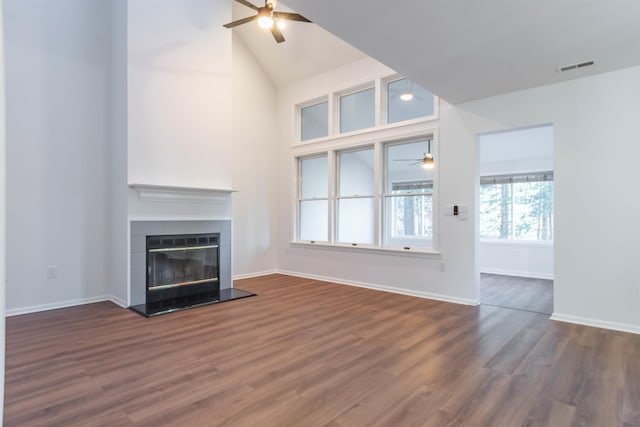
<point>386,193</point>
<point>337,96</point>
<point>298,120</point>
<point>380,113</point>
<point>299,198</point>
<point>373,197</point>
<point>512,240</point>
<point>413,133</point>
<point>384,104</point>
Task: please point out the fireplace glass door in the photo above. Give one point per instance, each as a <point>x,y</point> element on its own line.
<point>176,261</point>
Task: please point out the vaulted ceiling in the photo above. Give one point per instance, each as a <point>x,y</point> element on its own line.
<point>307,51</point>
<point>468,49</point>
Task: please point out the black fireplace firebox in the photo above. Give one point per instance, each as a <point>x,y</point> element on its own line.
<point>182,271</point>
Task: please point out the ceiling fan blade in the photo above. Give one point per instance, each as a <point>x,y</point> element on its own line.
<point>277,34</point>
<point>240,21</point>
<point>289,16</point>
<point>407,160</point>
<point>246,3</point>
<point>416,163</point>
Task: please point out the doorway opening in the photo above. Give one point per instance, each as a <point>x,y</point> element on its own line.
<point>515,215</point>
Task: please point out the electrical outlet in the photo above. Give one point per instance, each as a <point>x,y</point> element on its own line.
<point>52,271</point>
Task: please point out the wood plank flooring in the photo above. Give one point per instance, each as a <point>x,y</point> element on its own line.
<point>309,353</point>
<point>521,293</point>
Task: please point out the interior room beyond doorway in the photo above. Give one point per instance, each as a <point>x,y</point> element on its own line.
<point>516,224</point>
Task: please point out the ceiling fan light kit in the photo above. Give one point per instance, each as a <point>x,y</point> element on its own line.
<point>426,162</point>
<point>266,18</point>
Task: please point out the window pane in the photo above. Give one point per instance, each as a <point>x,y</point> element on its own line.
<point>313,173</point>
<point>407,100</point>
<point>495,211</point>
<point>404,164</point>
<point>314,121</point>
<point>314,220</point>
<point>520,210</point>
<point>357,111</point>
<point>355,220</point>
<point>409,220</point>
<point>356,173</point>
<point>533,210</point>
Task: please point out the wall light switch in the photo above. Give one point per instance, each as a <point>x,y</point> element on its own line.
<point>462,212</point>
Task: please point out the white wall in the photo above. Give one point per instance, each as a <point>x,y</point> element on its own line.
<point>418,275</point>
<point>510,152</point>
<point>119,191</point>
<point>516,151</point>
<point>254,165</point>
<point>179,93</point>
<point>596,271</point>
<point>2,214</point>
<point>57,66</point>
<point>596,274</point>
<point>516,258</point>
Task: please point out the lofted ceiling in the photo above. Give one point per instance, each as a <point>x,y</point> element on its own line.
<point>468,49</point>
<point>307,51</point>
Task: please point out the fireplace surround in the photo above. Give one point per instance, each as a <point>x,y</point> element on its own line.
<point>180,264</point>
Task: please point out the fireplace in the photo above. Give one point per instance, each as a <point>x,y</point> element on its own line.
<point>180,264</point>
<point>182,270</point>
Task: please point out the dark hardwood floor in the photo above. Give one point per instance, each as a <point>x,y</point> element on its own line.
<point>521,293</point>
<point>309,353</point>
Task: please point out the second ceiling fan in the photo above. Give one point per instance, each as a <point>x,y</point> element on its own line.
<point>266,18</point>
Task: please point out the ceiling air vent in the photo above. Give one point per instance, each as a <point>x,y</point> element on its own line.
<point>575,66</point>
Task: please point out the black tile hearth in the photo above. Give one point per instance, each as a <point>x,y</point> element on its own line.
<point>155,309</point>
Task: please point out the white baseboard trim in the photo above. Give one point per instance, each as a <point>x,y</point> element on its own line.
<point>118,301</point>
<point>256,274</point>
<point>55,305</point>
<point>419,294</point>
<point>604,324</point>
<point>532,275</point>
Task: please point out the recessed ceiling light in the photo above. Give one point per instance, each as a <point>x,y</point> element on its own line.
<point>406,96</point>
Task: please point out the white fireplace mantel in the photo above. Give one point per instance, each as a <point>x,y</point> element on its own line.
<point>171,194</point>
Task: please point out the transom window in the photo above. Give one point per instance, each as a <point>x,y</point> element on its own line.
<point>390,101</point>
<point>314,121</point>
<point>407,100</point>
<point>357,110</point>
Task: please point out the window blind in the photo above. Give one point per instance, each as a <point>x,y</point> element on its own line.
<point>412,186</point>
<point>516,178</point>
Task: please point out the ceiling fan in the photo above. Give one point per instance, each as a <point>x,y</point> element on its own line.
<point>425,162</point>
<point>266,17</point>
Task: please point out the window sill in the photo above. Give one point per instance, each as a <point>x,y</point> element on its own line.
<point>416,253</point>
<point>506,242</point>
